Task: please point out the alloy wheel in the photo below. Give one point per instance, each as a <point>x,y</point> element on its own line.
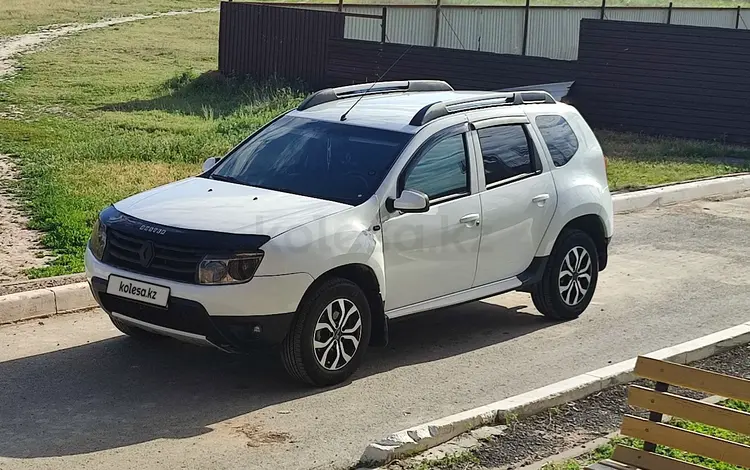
<point>338,332</point>
<point>575,276</point>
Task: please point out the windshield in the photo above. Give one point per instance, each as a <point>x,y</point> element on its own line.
<point>324,160</point>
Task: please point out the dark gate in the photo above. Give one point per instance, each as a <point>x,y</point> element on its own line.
<point>685,81</point>
<point>264,41</point>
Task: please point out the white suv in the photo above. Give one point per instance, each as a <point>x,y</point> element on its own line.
<point>364,204</point>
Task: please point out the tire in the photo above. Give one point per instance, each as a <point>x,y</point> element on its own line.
<point>548,295</point>
<point>334,334</point>
<point>135,332</point>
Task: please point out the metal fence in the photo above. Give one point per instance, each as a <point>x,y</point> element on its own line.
<point>660,79</point>
<point>546,31</point>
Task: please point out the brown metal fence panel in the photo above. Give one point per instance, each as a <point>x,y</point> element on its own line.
<point>351,61</point>
<point>266,41</point>
<point>684,81</point>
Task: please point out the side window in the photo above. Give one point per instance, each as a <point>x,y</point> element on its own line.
<point>441,170</point>
<point>505,152</point>
<point>559,137</point>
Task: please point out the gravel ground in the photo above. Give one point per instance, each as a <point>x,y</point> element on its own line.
<point>23,286</point>
<point>573,424</point>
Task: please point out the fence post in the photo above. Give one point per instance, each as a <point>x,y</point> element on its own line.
<point>601,13</point>
<point>341,5</point>
<point>737,21</point>
<point>383,36</point>
<point>669,14</point>
<point>526,27</point>
<point>437,24</point>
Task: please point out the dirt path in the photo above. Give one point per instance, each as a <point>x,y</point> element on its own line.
<point>20,248</point>
<point>13,46</point>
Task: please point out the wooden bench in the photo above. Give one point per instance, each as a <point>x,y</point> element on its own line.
<point>660,402</point>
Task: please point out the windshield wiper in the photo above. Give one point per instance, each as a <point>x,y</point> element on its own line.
<point>228,179</point>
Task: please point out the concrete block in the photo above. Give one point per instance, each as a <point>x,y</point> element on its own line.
<point>73,297</point>
<point>23,305</point>
<point>680,192</point>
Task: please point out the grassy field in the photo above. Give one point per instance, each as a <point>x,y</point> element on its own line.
<point>112,112</point>
<point>21,16</point>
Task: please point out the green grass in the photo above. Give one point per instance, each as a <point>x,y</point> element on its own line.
<point>605,451</point>
<point>21,16</point>
<point>636,161</point>
<point>112,112</point>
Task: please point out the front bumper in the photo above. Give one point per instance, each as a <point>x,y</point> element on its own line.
<point>234,317</point>
<point>189,321</point>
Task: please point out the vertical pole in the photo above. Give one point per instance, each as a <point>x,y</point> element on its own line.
<point>383,37</point>
<point>654,416</point>
<point>737,20</point>
<point>669,14</point>
<point>526,27</point>
<point>601,12</point>
<point>341,6</point>
<point>437,24</point>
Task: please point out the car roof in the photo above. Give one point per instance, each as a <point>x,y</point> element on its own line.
<point>391,111</point>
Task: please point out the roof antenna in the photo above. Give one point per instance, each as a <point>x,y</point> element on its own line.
<point>343,116</point>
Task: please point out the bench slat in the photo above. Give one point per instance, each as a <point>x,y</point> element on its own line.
<point>610,465</point>
<point>670,436</point>
<point>687,408</point>
<point>690,377</point>
<point>648,461</point>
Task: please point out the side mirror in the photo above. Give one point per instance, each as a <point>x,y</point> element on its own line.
<point>412,201</point>
<point>210,162</point>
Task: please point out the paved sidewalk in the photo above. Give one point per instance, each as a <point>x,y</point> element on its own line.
<point>75,394</point>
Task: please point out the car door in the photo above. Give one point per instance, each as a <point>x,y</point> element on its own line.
<point>518,199</point>
<point>434,253</point>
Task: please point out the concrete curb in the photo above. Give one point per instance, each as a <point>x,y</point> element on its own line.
<point>26,305</point>
<point>418,438</point>
<point>45,302</point>
<point>680,192</point>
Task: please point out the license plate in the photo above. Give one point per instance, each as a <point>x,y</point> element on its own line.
<point>137,290</point>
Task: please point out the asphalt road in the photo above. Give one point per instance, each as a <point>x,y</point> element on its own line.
<point>76,394</point>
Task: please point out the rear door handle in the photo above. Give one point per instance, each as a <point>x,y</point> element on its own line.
<point>540,200</point>
<point>471,220</point>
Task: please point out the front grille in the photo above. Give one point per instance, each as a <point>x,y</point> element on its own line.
<point>168,261</point>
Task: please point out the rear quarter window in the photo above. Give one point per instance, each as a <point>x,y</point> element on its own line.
<point>559,137</point>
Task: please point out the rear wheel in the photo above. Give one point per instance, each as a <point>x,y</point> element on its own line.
<point>570,277</point>
<point>329,335</point>
<point>135,332</point>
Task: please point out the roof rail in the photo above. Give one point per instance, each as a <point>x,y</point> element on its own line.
<point>377,88</point>
<point>444,108</point>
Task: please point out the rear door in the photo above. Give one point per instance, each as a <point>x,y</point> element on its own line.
<point>517,194</point>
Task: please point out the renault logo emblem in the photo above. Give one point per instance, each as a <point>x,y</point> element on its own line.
<point>147,254</point>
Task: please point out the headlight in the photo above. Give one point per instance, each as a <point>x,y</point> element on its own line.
<point>98,240</point>
<point>228,270</point>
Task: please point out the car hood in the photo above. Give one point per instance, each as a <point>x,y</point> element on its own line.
<point>217,206</point>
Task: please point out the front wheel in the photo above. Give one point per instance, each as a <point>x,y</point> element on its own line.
<point>329,335</point>
<point>570,277</point>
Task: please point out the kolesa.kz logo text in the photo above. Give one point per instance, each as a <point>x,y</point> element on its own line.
<point>140,292</point>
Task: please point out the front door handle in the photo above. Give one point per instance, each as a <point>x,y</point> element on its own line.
<point>472,220</point>
<point>540,200</point>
